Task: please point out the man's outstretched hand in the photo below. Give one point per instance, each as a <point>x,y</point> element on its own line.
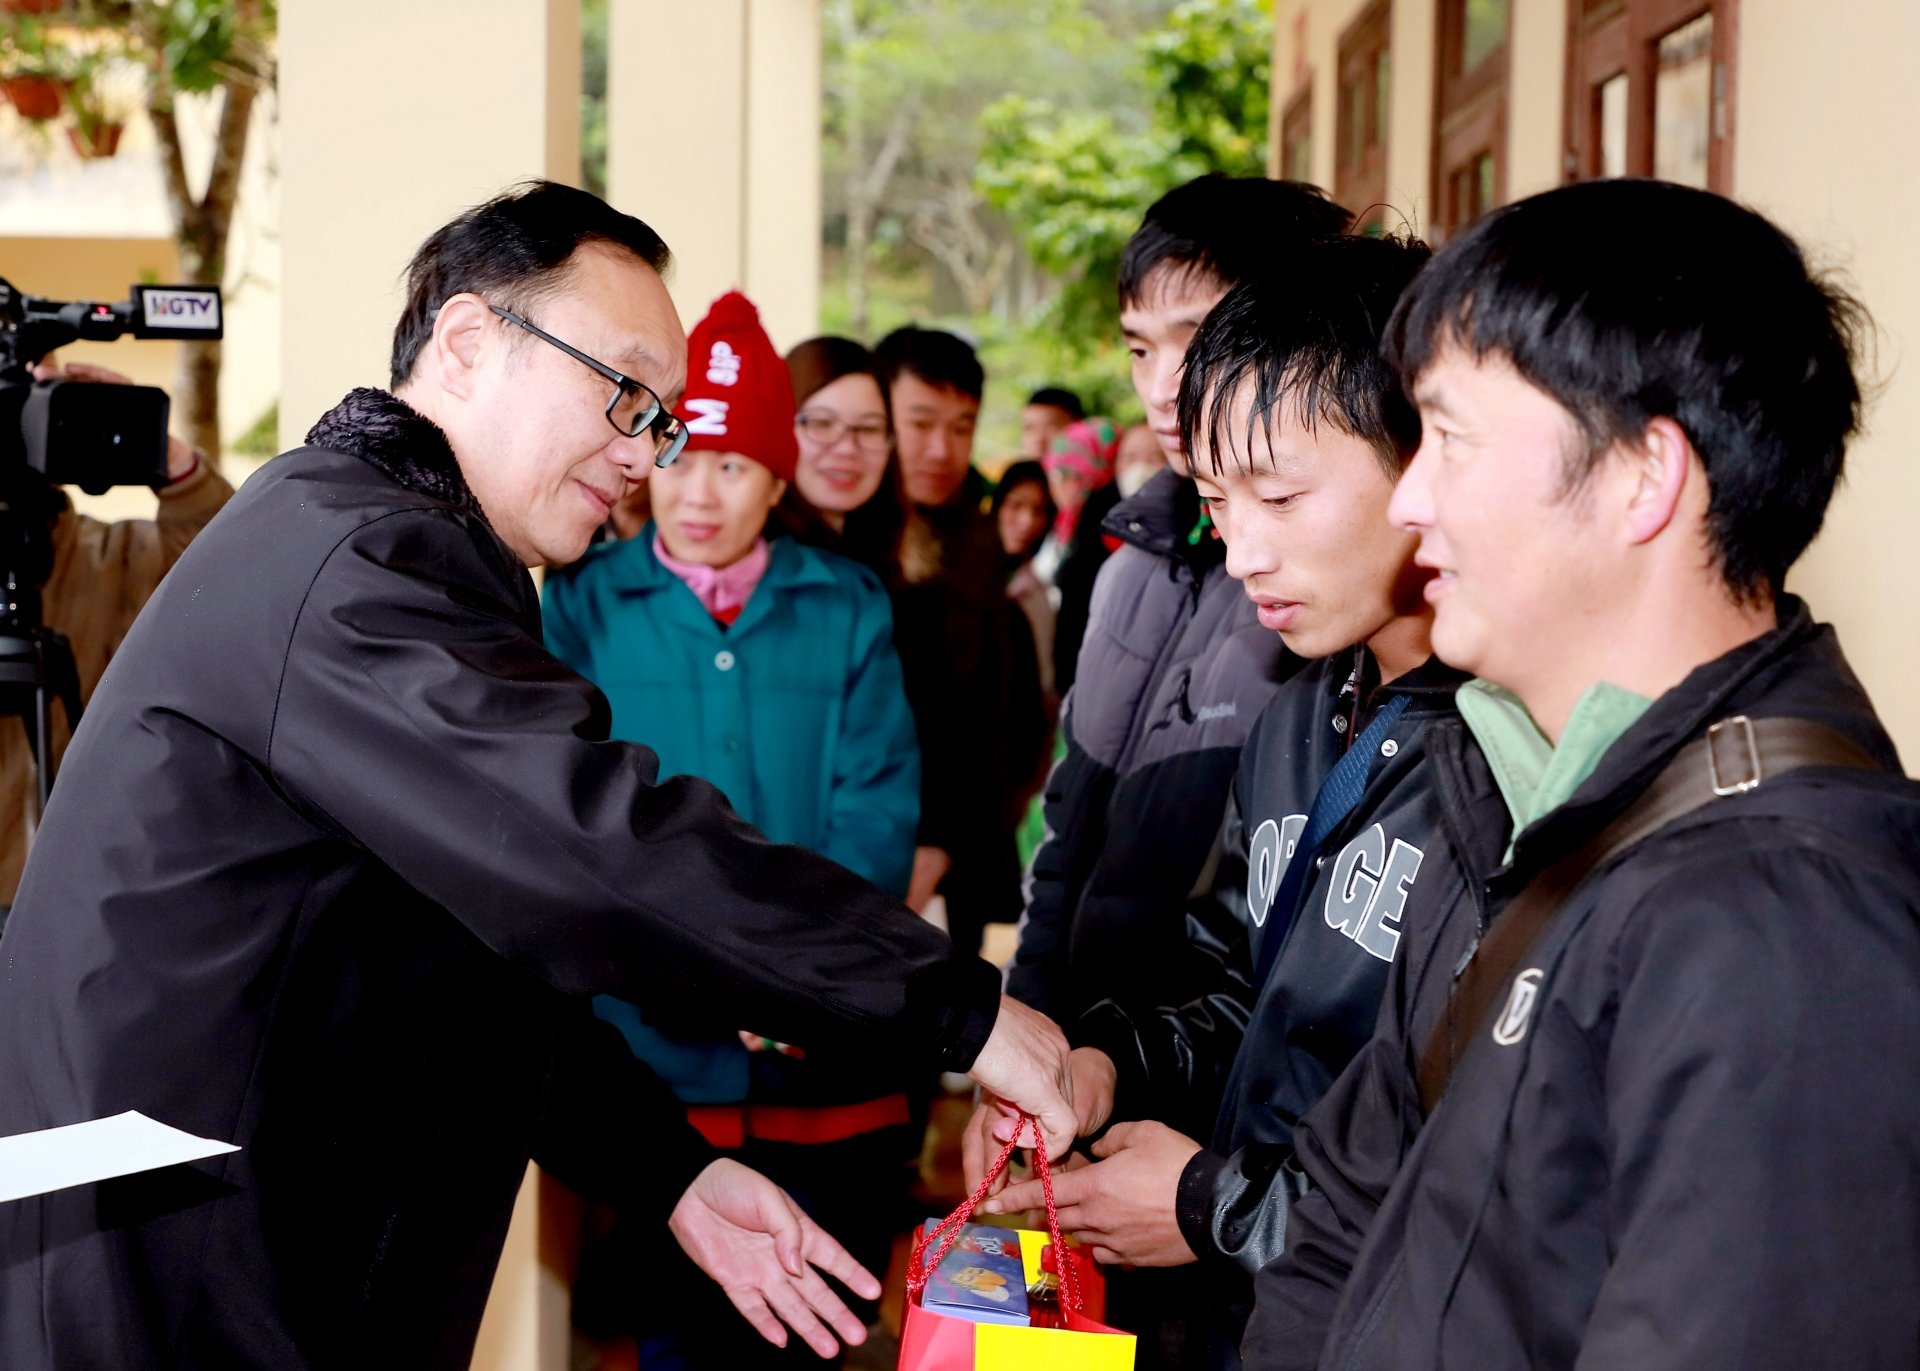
<point>742,1230</point>
<point>1023,1069</point>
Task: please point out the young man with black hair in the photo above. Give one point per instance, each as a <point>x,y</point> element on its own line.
<point>1047,411</point>
<point>1296,431</point>
<point>972,670</point>
<point>1173,670</point>
<point>1174,667</point>
<point>1646,1084</point>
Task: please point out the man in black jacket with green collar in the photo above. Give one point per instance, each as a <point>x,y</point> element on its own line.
<point>1646,1082</point>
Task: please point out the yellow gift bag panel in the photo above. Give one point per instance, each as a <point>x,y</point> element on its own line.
<point>1005,1347</point>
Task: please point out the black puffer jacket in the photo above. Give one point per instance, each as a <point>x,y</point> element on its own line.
<point>1697,1143</point>
<point>1319,1000</point>
<point>1173,672</point>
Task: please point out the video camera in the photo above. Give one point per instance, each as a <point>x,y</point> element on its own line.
<point>84,433</point>
<point>61,432</point>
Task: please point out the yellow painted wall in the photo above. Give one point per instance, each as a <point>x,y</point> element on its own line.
<point>1829,97</point>
<point>1536,82</point>
<point>383,142</point>
<point>718,148</point>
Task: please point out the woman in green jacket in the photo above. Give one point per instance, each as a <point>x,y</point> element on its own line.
<point>768,668</point>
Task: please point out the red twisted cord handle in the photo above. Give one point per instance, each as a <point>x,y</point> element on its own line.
<point>918,1271</point>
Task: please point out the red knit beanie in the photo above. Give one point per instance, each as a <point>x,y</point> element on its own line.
<point>738,397</point>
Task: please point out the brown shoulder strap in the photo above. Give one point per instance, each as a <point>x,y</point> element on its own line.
<point>1736,755</point>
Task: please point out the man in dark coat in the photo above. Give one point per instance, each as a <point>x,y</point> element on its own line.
<point>967,651</point>
<point>340,851</point>
<point>1663,1116</point>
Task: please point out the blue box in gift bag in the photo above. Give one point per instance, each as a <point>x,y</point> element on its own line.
<point>982,1278</point>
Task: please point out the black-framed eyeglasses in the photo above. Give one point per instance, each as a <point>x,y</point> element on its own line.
<point>869,435</point>
<point>634,408</point>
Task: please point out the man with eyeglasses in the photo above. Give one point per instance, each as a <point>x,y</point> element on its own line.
<point>341,852</point>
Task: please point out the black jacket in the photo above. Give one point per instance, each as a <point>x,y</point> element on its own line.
<point>973,681</point>
<point>1698,1146</point>
<point>1275,1054</point>
<point>336,857</point>
<point>1079,570</point>
<point>1174,670</point>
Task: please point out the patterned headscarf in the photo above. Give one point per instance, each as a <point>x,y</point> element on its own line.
<point>1087,448</point>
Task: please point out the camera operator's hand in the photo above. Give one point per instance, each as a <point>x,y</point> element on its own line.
<point>183,459</point>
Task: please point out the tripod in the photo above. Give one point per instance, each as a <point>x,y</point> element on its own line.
<point>36,664</point>
<point>36,668</point>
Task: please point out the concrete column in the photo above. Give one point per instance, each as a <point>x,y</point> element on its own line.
<point>1416,44</point>
<point>1536,98</point>
<point>382,142</point>
<point>713,138</point>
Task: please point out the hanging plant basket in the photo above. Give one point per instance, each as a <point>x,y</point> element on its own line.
<point>100,140</point>
<point>36,97</point>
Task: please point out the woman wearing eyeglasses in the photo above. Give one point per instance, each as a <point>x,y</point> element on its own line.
<point>847,494</point>
<point>768,668</point>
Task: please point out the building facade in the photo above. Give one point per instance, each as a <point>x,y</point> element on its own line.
<point>1421,114</point>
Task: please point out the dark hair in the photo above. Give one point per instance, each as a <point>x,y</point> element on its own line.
<point>514,250</point>
<point>819,362</point>
<point>1310,339</point>
<point>1629,301</point>
<point>1063,400</point>
<point>1227,229</point>
<point>936,357</point>
<point>872,534</point>
<point>1016,475</point>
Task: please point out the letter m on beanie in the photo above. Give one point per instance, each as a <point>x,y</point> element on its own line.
<point>738,396</point>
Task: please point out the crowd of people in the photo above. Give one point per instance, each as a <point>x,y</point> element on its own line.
<point>1244,618</point>
<point>1479,905</point>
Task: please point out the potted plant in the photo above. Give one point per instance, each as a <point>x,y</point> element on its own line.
<point>29,71</point>
<point>104,89</point>
<point>30,6</point>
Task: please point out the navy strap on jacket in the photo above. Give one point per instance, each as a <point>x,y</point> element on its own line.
<point>1339,795</point>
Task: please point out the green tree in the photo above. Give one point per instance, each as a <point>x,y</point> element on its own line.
<point>905,85</point>
<point>1076,182</point>
<point>593,96</point>
<point>218,48</point>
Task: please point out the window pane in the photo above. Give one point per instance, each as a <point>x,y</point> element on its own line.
<point>1483,178</point>
<point>1296,138</point>
<point>1683,103</point>
<point>1300,159</point>
<point>1613,126</point>
<point>1353,124</point>
<point>1486,30</point>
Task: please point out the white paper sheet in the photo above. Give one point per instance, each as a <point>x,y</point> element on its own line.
<point>55,1158</point>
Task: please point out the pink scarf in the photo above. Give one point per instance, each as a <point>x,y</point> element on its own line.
<point>722,591</point>
<point>1086,448</point>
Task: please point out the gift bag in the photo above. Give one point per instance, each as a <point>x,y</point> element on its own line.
<point>932,1341</point>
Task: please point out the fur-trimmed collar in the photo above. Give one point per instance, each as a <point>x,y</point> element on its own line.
<point>390,435</point>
